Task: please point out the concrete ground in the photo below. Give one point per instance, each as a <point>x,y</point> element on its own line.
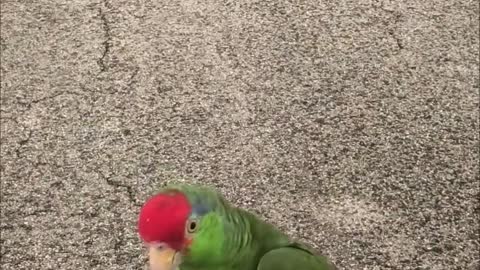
<point>352,125</point>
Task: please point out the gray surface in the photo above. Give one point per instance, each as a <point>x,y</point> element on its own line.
<point>353,125</point>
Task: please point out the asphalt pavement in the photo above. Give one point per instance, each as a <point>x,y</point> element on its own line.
<point>352,125</point>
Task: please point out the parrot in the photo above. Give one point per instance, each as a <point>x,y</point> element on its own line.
<point>193,227</point>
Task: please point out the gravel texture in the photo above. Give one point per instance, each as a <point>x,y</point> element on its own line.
<point>352,125</point>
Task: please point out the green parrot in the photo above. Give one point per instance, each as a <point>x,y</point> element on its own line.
<point>193,227</point>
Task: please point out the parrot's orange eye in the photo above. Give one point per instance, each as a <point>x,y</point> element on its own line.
<point>192,226</point>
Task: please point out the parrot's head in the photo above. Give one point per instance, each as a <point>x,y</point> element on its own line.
<point>181,225</point>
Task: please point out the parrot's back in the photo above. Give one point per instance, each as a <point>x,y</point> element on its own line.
<point>270,249</point>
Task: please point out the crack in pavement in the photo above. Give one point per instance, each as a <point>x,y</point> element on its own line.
<point>29,104</point>
<point>108,39</point>
<point>23,142</point>
<point>131,80</point>
<point>393,32</point>
<point>119,239</point>
<point>36,101</point>
<point>128,189</point>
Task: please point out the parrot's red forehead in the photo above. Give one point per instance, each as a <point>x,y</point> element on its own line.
<point>163,218</point>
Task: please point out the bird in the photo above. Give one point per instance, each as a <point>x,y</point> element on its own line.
<point>193,227</point>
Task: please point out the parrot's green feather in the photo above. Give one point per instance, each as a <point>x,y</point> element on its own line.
<point>230,238</point>
<point>289,258</point>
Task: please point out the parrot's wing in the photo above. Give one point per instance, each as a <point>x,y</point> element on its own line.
<point>293,258</point>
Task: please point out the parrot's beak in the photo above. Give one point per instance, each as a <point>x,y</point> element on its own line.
<point>163,258</point>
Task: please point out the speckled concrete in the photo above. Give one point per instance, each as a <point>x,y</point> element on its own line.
<point>352,125</point>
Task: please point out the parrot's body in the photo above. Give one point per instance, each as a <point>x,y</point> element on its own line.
<point>205,232</point>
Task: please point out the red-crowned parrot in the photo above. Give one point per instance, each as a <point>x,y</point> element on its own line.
<point>192,227</point>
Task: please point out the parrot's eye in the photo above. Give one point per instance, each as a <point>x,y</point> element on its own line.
<point>192,226</point>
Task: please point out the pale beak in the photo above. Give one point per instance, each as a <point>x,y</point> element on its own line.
<point>163,258</point>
